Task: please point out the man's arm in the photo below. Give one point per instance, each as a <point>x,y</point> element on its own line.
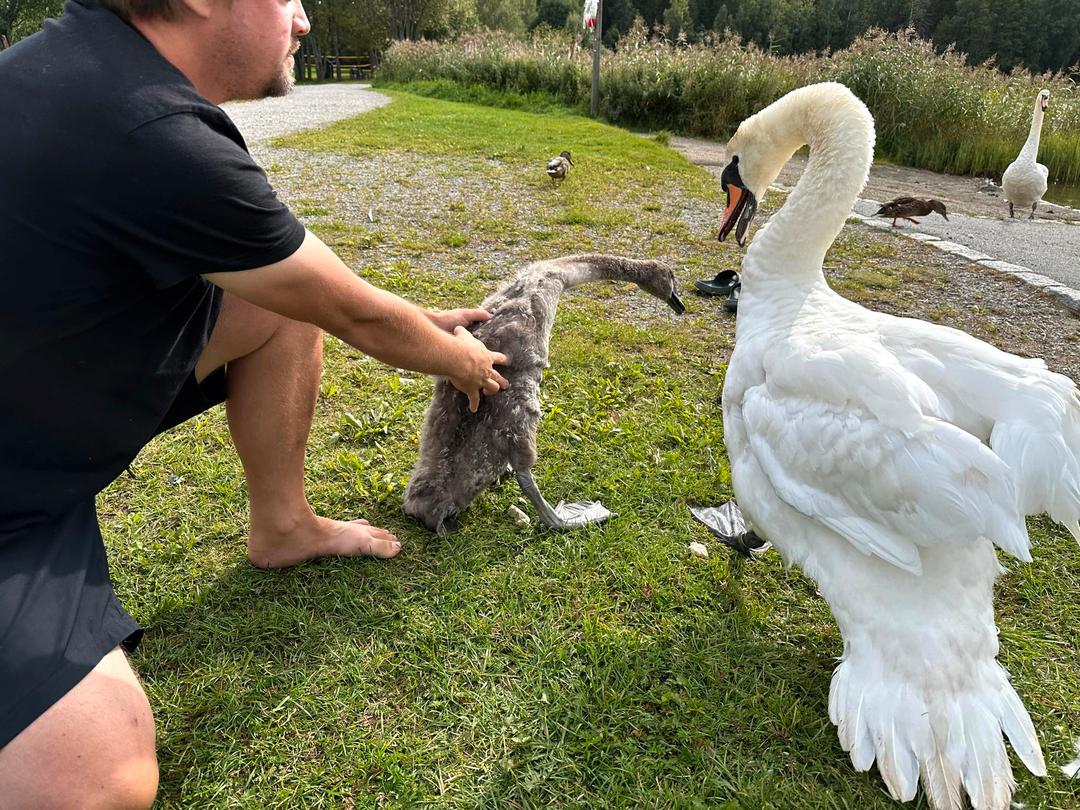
<point>315,286</point>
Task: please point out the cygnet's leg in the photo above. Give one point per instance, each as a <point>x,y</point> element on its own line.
<point>548,516</point>
<point>1033,209</point>
<point>1010,209</point>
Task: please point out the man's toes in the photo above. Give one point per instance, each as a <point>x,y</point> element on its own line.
<point>383,545</point>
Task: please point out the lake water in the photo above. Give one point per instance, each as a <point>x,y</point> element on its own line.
<point>1063,194</point>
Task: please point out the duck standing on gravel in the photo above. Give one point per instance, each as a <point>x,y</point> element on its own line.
<point>1024,182</point>
<point>559,167</point>
<point>463,453</point>
<point>909,207</point>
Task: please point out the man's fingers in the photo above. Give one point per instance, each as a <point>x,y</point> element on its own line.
<point>500,380</point>
<point>474,315</point>
<point>498,359</point>
<point>474,401</point>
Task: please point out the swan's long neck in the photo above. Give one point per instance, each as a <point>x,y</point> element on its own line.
<point>1031,145</point>
<point>840,132</point>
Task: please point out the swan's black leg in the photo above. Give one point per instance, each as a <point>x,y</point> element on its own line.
<point>532,492</point>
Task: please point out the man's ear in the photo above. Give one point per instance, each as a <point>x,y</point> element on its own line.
<point>200,8</point>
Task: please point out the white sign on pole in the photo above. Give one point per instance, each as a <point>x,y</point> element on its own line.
<point>589,19</point>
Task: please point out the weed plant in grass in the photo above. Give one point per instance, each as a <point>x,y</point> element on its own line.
<point>508,666</point>
<point>932,110</point>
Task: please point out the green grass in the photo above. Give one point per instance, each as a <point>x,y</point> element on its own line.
<point>506,666</point>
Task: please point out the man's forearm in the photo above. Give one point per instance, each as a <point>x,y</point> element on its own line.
<point>405,336</point>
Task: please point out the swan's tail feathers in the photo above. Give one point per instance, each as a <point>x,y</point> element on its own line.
<point>923,729</point>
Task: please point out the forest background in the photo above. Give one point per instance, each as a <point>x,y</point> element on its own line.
<point>1038,35</point>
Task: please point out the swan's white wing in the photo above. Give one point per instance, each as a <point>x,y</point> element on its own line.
<point>885,490</point>
<point>1029,415</point>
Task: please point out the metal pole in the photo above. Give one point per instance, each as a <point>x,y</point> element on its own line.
<point>598,32</point>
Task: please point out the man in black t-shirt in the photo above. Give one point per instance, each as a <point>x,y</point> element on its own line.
<point>149,271</point>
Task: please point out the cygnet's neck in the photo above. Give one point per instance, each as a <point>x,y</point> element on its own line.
<point>574,270</point>
<point>840,133</point>
<point>1031,145</point>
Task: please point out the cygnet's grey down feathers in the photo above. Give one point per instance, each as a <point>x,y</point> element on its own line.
<point>462,453</point>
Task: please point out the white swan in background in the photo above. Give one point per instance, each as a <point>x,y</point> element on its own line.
<point>886,456</point>
<point>1024,182</point>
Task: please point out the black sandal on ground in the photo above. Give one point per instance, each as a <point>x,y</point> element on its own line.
<point>720,284</point>
<point>731,303</point>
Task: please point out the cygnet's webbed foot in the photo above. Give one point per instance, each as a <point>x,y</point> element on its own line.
<point>727,524</point>
<point>578,513</point>
<point>565,515</point>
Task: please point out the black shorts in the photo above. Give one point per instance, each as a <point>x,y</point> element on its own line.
<point>58,614</point>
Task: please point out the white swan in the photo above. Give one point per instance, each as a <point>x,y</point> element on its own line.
<point>886,456</point>
<point>1024,182</point>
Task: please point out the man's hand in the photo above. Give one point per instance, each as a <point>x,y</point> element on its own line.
<point>482,375</point>
<point>451,319</point>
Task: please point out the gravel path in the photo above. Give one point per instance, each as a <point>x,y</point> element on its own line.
<point>306,107</point>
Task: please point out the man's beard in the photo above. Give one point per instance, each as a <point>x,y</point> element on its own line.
<point>281,85</point>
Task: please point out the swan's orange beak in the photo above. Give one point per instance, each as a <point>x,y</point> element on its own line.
<point>741,207</point>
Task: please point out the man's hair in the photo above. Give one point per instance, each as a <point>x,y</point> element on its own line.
<point>145,9</point>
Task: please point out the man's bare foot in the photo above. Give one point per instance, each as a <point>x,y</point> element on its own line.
<point>319,537</point>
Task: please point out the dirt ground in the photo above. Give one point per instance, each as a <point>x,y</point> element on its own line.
<point>966,195</point>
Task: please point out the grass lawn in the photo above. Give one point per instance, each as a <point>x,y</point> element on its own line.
<point>507,666</point>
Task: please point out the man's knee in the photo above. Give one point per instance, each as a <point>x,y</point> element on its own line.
<point>134,786</point>
<point>96,746</point>
<point>243,328</point>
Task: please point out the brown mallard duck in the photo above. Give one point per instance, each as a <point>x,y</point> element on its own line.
<point>909,207</point>
<point>558,167</point>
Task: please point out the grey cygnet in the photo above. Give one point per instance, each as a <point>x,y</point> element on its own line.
<point>462,453</point>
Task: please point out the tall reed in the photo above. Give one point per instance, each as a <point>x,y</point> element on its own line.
<point>932,110</point>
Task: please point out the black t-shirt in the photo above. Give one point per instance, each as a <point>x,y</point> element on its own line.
<point>119,186</point>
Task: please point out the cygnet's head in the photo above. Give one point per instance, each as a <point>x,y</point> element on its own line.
<point>656,278</point>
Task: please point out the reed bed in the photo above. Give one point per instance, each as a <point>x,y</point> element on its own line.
<point>932,109</point>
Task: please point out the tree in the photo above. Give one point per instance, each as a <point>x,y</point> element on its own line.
<point>20,18</point>
<point>679,20</point>
<point>506,15</point>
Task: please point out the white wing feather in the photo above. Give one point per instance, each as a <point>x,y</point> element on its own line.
<point>885,490</point>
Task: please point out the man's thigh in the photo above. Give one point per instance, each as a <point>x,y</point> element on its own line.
<point>92,748</point>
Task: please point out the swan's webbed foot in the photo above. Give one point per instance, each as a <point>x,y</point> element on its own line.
<point>726,523</point>
<point>565,515</point>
